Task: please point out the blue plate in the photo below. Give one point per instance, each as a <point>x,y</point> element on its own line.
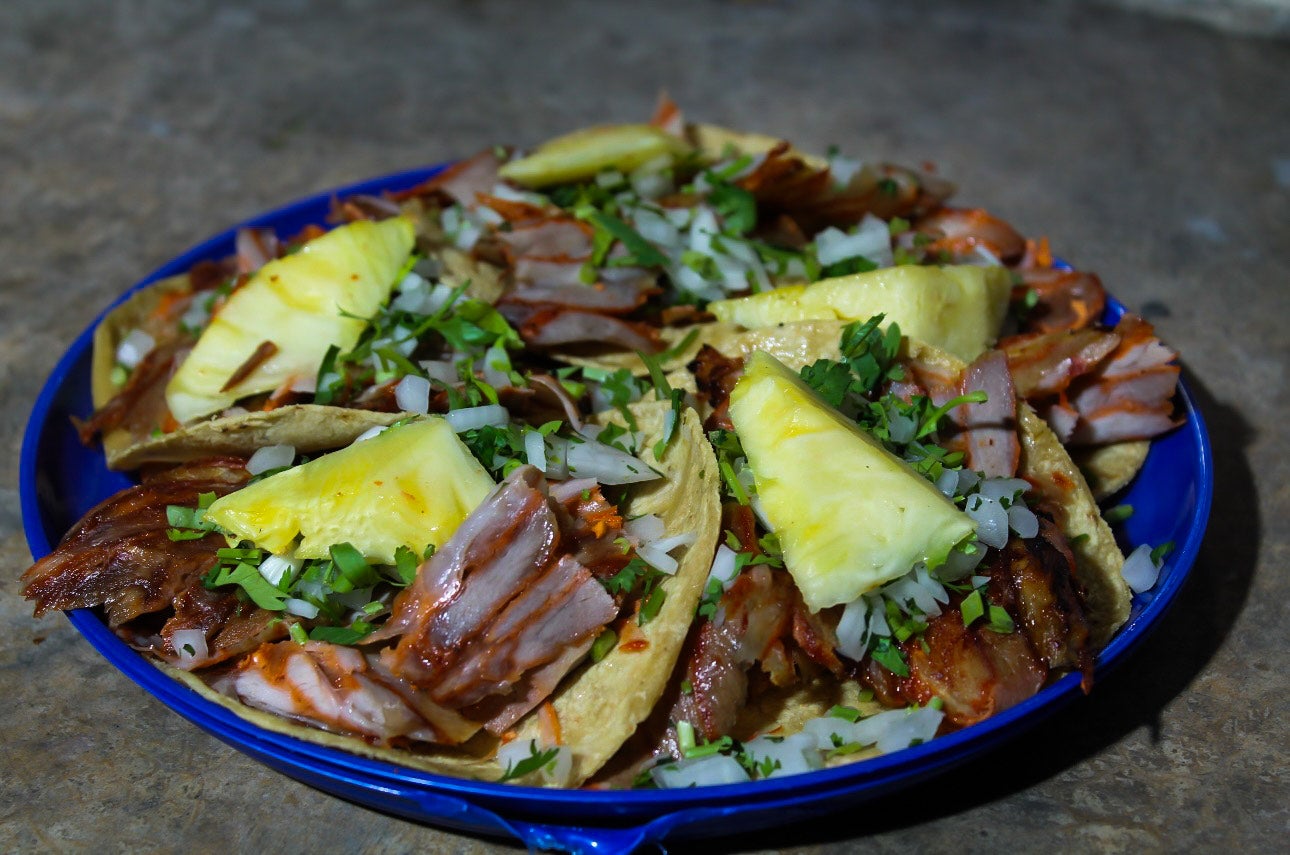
<point>61,480</point>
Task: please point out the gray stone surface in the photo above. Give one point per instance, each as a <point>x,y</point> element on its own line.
<point>1155,153</point>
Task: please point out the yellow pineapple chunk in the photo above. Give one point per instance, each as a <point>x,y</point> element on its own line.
<point>585,152</point>
<point>849,515</point>
<point>411,485</point>
<point>958,308</point>
<point>295,302</point>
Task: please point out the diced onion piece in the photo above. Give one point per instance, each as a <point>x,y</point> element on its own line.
<point>960,564</point>
<point>1023,521</point>
<point>1140,572</point>
<point>657,559</point>
<point>723,567</point>
<point>792,755</point>
<point>270,457</point>
<point>444,372</point>
<point>872,240</point>
<point>275,567</point>
<point>470,418</point>
<point>133,348</point>
<point>1003,488</point>
<point>645,529</point>
<point>369,433</point>
<point>496,364</point>
<point>852,631</point>
<point>700,772</point>
<point>535,449</point>
<point>301,608</point>
<point>991,520</point>
<point>412,394</point>
<point>667,544</point>
<point>607,464</point>
<point>189,645</point>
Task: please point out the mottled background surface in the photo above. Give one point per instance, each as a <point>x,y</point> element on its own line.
<point>1152,150</point>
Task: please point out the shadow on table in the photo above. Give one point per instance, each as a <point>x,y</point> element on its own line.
<point>1134,694</point>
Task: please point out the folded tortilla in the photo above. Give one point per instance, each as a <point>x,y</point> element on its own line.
<point>308,427</point>
<point>599,704</point>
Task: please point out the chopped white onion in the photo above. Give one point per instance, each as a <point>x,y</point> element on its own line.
<point>189,645</point>
<point>657,559</point>
<point>872,240</point>
<point>270,457</point>
<point>843,169</point>
<point>699,772</point>
<point>792,755</point>
<point>959,564</point>
<point>1022,520</point>
<point>853,631</point>
<point>1140,572</point>
<point>606,464</point>
<point>470,418</point>
<point>535,449</point>
<point>412,394</point>
<point>134,347</point>
<point>301,608</point>
<point>496,367</point>
<point>991,520</point>
<point>275,567</point>
<point>948,482</point>
<point>723,567</point>
<point>444,372</point>
<point>645,529</point>
<point>369,433</point>
<point>667,544</point>
<point>1003,488</point>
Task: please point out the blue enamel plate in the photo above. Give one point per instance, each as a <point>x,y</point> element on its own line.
<point>62,479</point>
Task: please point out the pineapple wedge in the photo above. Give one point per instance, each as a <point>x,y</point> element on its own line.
<point>296,303</point>
<point>410,485</point>
<point>850,516</point>
<point>584,153</point>
<point>958,308</point>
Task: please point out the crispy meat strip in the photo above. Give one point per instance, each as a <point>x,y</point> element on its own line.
<point>118,556</point>
<point>978,672</point>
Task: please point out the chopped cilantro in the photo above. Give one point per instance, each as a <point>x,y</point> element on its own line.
<point>1118,514</point>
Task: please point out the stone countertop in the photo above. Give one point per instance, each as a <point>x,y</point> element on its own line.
<point>1156,153</point>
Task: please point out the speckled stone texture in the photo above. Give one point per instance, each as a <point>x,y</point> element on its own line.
<point>1156,153</point>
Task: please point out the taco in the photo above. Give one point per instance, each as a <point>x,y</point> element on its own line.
<point>538,632</point>
<point>229,357</point>
<point>901,555</point>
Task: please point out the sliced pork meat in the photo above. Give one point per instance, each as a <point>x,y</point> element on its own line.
<point>555,326</point>
<point>345,691</point>
<point>990,428</point>
<point>977,671</point>
<point>961,231</point>
<point>1098,386</point>
<point>715,375</point>
<point>501,599</point>
<point>557,237</point>
<point>559,282</point>
<point>1064,299</point>
<point>1045,364</point>
<point>140,407</point>
<point>119,557</point>
<point>463,182</point>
